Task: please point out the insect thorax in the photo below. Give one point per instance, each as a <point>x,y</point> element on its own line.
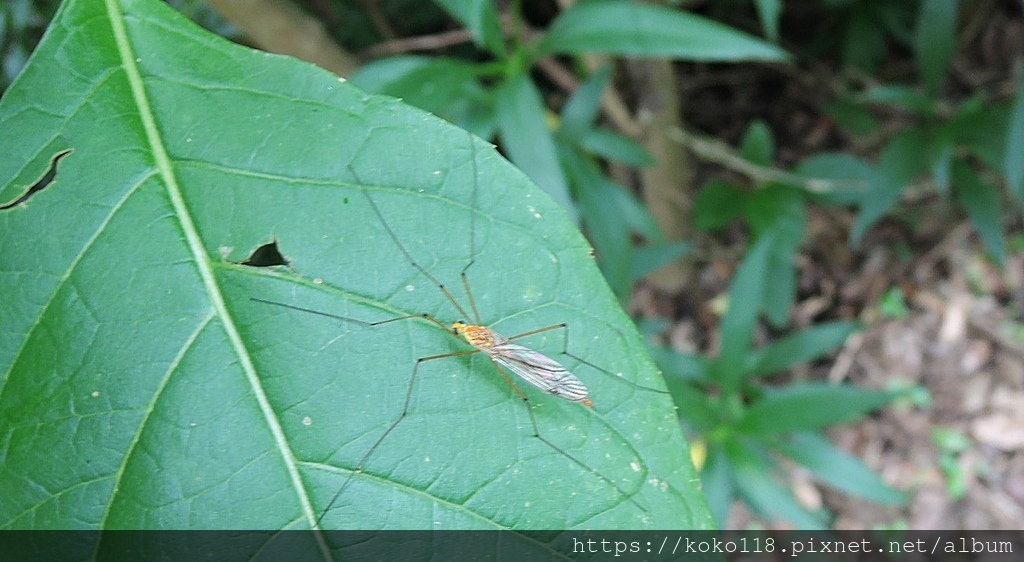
<point>477,336</point>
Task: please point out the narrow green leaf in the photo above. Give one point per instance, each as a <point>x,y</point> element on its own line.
<point>758,146</point>
<point>746,293</point>
<point>903,97</point>
<point>644,30</point>
<point>942,166</point>
<point>635,214</point>
<point>902,160</point>
<point>844,472</point>
<point>937,154</point>
<point>718,204</point>
<point>433,84</point>
<point>981,201</point>
<point>696,408</point>
<point>779,209</point>
<point>809,406</point>
<point>528,141</point>
<point>716,480</point>
<point>935,40</point>
<point>142,387</point>
<point>769,11</point>
<point>780,288</point>
<point>981,128</point>
<point>603,203</point>
<point>1013,163</point>
<point>751,477</point>
<point>907,155</point>
<point>853,177</point>
<point>481,18</point>
<point>683,366</point>
<point>854,117</point>
<point>864,41</point>
<point>621,214</point>
<point>649,258</point>
<point>801,347</point>
<point>581,109</point>
<point>613,146</point>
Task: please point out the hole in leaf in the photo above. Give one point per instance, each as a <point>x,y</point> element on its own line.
<point>40,184</point>
<point>266,255</point>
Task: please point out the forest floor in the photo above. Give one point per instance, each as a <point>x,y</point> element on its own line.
<point>958,452</point>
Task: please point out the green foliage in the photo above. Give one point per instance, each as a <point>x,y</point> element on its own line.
<point>564,163</point>
<point>1013,164</point>
<point>610,213</point>
<point>959,146</point>
<point>720,399</point>
<point>867,30</point>
<point>964,148</point>
<point>741,421</point>
<point>528,140</point>
<point>956,149</point>
<point>645,30</point>
<point>480,17</point>
<point>769,12</point>
<point>142,387</point>
<point>935,40</point>
<point>773,210</point>
<point>951,444</point>
<point>893,304</point>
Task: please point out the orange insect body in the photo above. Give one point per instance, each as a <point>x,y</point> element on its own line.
<point>535,368</point>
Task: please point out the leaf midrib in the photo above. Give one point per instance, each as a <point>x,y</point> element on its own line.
<point>202,261</point>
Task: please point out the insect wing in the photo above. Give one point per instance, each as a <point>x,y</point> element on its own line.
<point>540,370</point>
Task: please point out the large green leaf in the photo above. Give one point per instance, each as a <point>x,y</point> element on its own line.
<point>140,384</point>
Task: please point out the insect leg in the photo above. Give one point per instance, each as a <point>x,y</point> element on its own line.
<point>556,448</point>
<point>405,411</point>
<point>401,247</point>
<point>472,232</point>
<point>565,351</point>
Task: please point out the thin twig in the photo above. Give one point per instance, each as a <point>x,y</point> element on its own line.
<point>420,43</point>
<point>714,150</point>
<point>844,362</point>
<point>372,10</point>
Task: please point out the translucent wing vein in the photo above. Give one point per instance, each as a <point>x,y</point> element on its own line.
<point>540,370</point>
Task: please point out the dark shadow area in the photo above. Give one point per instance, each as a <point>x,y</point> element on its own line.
<point>266,255</point>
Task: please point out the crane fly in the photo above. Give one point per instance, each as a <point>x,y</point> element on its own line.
<point>539,370</point>
<point>535,368</point>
